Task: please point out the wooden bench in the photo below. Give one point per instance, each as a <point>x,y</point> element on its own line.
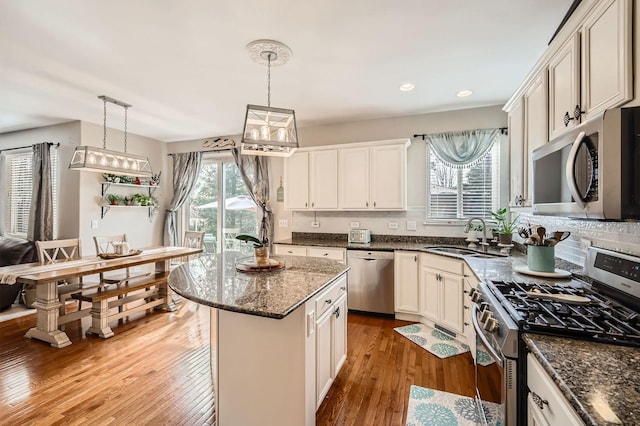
<point>151,288</point>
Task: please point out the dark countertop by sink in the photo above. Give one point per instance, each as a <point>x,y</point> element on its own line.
<point>600,381</point>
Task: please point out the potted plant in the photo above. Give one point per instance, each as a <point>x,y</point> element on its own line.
<point>141,199</point>
<point>260,249</point>
<point>113,199</point>
<point>506,225</point>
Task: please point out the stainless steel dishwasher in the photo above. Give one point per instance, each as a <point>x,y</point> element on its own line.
<point>371,281</point>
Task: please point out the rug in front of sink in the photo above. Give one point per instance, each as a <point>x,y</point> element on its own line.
<point>435,341</point>
<point>429,407</point>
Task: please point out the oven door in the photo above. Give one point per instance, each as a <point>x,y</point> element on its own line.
<point>490,375</point>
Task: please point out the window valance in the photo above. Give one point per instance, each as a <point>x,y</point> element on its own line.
<point>462,149</point>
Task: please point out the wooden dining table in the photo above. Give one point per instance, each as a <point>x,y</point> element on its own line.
<point>47,276</point>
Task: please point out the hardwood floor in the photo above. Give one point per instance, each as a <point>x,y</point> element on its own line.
<point>373,385</point>
<point>155,370</point>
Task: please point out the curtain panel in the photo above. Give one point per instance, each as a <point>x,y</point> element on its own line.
<point>186,168</point>
<point>41,211</point>
<point>254,170</point>
<point>462,149</point>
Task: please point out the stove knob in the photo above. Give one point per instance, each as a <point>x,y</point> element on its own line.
<point>491,325</point>
<point>485,316</point>
<point>475,295</point>
<point>484,306</point>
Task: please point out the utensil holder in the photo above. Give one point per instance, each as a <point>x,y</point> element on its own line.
<point>541,258</point>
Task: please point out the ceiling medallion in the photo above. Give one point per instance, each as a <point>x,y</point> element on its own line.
<point>260,50</point>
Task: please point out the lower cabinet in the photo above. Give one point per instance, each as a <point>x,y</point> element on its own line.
<point>331,336</point>
<point>546,406</point>
<point>333,253</point>
<point>441,286</point>
<point>405,266</point>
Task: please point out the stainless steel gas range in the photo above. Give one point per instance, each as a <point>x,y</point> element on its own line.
<point>603,307</point>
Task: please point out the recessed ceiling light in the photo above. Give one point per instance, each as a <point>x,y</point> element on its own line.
<point>464,93</point>
<point>407,87</point>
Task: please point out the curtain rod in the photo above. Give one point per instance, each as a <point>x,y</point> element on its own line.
<point>503,131</point>
<point>29,146</point>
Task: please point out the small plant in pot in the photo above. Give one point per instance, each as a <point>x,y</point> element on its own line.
<point>260,248</point>
<point>113,199</point>
<point>507,225</point>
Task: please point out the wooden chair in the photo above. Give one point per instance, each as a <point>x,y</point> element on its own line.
<point>49,251</point>
<point>104,244</point>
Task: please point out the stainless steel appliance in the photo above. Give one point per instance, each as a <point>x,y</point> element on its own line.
<point>606,310</point>
<point>361,236</point>
<point>370,281</point>
<point>593,171</point>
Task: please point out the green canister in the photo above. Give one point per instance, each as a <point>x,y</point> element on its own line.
<point>541,258</point>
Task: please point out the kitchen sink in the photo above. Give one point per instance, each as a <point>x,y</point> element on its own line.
<point>461,251</point>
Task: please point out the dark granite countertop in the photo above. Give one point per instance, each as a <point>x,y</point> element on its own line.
<point>600,381</point>
<point>216,283</point>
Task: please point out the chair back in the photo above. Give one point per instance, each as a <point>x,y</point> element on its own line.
<point>104,243</point>
<point>193,239</point>
<point>49,251</point>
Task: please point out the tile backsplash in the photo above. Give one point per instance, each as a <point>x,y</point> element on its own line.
<point>623,237</point>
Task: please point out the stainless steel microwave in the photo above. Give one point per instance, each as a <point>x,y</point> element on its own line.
<point>592,171</point>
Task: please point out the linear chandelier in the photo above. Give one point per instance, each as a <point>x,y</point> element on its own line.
<point>269,131</point>
<point>94,159</point>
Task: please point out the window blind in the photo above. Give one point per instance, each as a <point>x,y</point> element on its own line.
<point>462,193</point>
<point>19,188</point>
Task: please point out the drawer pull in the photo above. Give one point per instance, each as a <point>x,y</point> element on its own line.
<point>326,254</point>
<point>466,307</point>
<point>466,324</point>
<point>290,251</point>
<point>343,288</point>
<point>337,312</point>
<point>328,301</point>
<point>539,401</point>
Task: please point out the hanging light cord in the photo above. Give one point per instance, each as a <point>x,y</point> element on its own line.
<point>125,128</point>
<point>104,139</point>
<point>269,80</point>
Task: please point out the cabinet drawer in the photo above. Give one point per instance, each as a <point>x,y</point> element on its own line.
<point>286,250</point>
<point>330,295</point>
<point>327,253</point>
<point>443,263</point>
<point>556,409</point>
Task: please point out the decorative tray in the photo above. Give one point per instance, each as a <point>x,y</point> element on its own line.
<point>116,256</point>
<point>248,264</point>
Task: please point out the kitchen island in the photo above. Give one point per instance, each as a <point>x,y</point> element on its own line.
<point>270,348</point>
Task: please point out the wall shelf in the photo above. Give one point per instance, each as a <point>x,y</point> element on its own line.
<point>104,208</point>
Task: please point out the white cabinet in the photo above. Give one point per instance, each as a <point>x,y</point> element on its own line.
<point>296,177</point>
<point>331,336</point>
<point>323,179</point>
<point>334,253</point>
<point>591,71</point>
<point>311,180</point>
<point>545,403</point>
<point>354,166</point>
<point>517,195</point>
<point>373,178</point>
<point>441,291</point>
<point>406,282</point>
<point>606,63</point>
<point>388,177</point>
<point>527,131</point>
<point>364,176</point>
<point>564,86</point>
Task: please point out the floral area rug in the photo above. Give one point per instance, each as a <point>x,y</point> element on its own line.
<point>438,343</point>
<point>428,407</point>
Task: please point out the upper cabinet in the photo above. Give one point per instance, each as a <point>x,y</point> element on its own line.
<point>591,71</point>
<point>363,176</point>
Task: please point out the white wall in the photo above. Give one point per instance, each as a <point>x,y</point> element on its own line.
<point>389,128</point>
<point>79,192</point>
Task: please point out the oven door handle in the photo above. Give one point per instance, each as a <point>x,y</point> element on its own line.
<point>480,333</point>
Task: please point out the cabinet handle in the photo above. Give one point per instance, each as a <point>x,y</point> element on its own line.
<point>519,200</point>
<point>289,251</point>
<point>539,401</point>
<point>415,258</point>
<point>343,288</point>
<point>313,204</point>
<point>367,203</point>
<point>465,307</point>
<point>577,112</point>
<point>305,204</point>
<point>337,312</point>
<point>466,324</point>
<point>328,301</point>
<point>374,204</point>
<point>326,254</point>
<point>465,291</point>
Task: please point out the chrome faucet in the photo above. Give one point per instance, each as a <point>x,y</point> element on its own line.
<point>484,243</point>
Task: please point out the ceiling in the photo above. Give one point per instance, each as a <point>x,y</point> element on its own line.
<point>184,68</point>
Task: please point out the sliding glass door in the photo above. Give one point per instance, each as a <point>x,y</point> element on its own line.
<point>220,206</point>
